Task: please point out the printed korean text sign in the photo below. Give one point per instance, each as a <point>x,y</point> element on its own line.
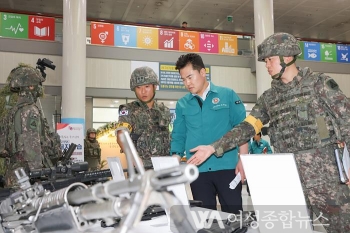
<point>41,28</point>
<point>170,79</point>
<point>147,38</point>
<point>189,41</point>
<point>125,36</point>
<point>14,25</point>
<point>343,53</point>
<point>227,44</point>
<point>168,39</point>
<point>102,33</point>
<point>328,52</point>
<point>312,51</point>
<point>72,133</point>
<point>208,42</point>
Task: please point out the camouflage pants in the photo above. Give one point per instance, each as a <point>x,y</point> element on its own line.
<point>331,203</point>
<point>320,179</point>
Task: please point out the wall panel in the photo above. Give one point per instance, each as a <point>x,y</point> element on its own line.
<point>9,60</point>
<point>241,80</point>
<point>108,73</point>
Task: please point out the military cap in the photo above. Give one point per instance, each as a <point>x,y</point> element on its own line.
<point>142,76</point>
<point>24,76</point>
<point>278,44</point>
<point>90,130</point>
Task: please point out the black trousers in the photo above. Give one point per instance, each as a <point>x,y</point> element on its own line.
<point>216,183</point>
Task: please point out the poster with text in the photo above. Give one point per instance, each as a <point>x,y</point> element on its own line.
<point>189,41</point>
<point>125,36</point>
<point>343,53</point>
<point>147,38</point>
<point>41,28</point>
<point>102,33</point>
<point>328,52</point>
<point>227,44</point>
<point>168,39</point>
<point>72,133</point>
<point>208,42</point>
<point>14,25</point>
<point>170,79</point>
<point>312,51</point>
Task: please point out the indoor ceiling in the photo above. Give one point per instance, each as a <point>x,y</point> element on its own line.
<point>324,20</point>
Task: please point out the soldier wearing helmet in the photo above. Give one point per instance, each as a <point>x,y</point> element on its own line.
<point>92,149</point>
<point>146,120</point>
<point>23,132</point>
<point>308,116</point>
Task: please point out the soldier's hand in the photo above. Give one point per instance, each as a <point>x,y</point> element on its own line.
<point>239,168</point>
<point>201,155</point>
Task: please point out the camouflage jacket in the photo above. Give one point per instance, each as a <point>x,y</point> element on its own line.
<point>151,126</point>
<point>25,134</point>
<point>29,136</point>
<point>308,112</point>
<point>92,149</point>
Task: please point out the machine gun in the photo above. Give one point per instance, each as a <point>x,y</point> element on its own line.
<point>79,208</point>
<point>66,173</point>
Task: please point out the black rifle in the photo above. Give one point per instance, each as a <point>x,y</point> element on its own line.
<point>54,179</point>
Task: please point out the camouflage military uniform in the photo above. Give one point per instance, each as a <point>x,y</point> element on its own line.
<point>92,150</point>
<point>24,137</point>
<point>151,126</point>
<point>307,117</point>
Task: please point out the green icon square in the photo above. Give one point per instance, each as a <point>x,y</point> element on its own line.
<point>328,52</point>
<point>14,25</point>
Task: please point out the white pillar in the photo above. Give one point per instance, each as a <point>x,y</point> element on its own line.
<point>74,61</point>
<point>264,27</point>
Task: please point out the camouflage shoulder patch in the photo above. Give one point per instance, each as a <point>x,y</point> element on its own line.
<point>332,85</point>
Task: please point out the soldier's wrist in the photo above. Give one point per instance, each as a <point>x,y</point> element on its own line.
<point>218,150</point>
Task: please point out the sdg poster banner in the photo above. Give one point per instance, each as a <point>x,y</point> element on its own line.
<point>343,53</point>
<point>41,28</point>
<point>170,79</point>
<point>72,133</point>
<point>312,51</point>
<point>14,25</point>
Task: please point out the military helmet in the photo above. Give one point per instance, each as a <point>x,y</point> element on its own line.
<point>90,130</point>
<point>24,76</point>
<point>278,44</point>
<point>142,76</point>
